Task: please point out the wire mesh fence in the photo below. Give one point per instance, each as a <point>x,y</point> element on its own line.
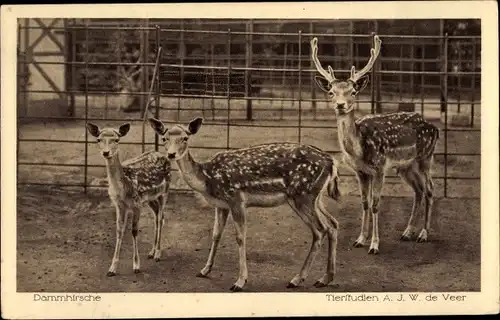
<point>252,81</point>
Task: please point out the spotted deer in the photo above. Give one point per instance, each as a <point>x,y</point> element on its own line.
<point>139,182</point>
<point>374,143</point>
<point>266,175</point>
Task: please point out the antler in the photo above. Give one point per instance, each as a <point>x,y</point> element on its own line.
<point>314,53</point>
<point>127,75</point>
<point>374,52</point>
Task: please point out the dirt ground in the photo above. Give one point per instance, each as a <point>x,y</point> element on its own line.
<point>65,242</point>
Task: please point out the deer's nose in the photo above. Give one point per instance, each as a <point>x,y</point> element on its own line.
<point>340,105</point>
<point>105,153</point>
<point>171,155</point>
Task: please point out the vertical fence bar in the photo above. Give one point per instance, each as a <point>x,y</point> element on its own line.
<point>70,98</point>
<point>311,76</point>
<point>300,84</point>
<point>228,86</point>
<point>459,77</point>
<point>182,51</point>
<point>74,83</point>
<point>378,77</point>
<point>85,168</point>
<point>441,53</point>
<point>212,72</point>
<point>143,105</point>
<point>156,79</point>
<point>21,69</point>
<point>27,59</point>
<point>372,83</point>
<point>401,74</point>
<point>142,78</point>
<point>445,93</point>
<point>248,64</point>
<point>422,68</point>
<point>412,64</point>
<point>473,84</point>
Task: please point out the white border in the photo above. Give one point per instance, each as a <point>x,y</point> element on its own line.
<point>130,305</point>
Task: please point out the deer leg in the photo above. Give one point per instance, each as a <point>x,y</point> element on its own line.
<point>159,226</point>
<point>136,213</point>
<point>411,179</point>
<point>365,186</point>
<point>155,207</point>
<point>331,225</point>
<point>377,184</point>
<point>305,211</point>
<point>219,224</point>
<point>121,222</point>
<point>429,200</point>
<point>239,217</point>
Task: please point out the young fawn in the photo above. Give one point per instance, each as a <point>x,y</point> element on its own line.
<point>266,175</point>
<point>140,182</point>
<point>373,144</point>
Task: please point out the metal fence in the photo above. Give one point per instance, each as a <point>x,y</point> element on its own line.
<point>235,85</point>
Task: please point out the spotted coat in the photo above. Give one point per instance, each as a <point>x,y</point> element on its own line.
<point>393,138</point>
<point>145,176</point>
<point>289,168</point>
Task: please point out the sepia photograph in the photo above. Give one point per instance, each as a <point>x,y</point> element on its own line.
<point>180,154</point>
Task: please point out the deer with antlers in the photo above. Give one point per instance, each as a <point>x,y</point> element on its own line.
<point>128,83</point>
<point>375,143</point>
<point>266,175</point>
<point>139,182</point>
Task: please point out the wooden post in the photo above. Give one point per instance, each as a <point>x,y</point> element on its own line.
<point>248,64</point>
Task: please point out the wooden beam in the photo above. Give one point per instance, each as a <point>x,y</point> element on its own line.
<point>45,31</point>
<point>52,84</point>
<point>50,34</point>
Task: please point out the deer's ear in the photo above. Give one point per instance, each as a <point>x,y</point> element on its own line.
<point>123,130</point>
<point>93,129</point>
<point>322,83</point>
<point>361,84</point>
<point>195,125</point>
<point>157,126</point>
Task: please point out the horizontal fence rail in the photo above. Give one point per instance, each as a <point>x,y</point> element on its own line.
<point>247,90</point>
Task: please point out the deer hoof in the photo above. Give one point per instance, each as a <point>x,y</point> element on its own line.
<point>422,239</point>
<point>110,274</point>
<point>157,259</point>
<point>137,271</point>
<point>291,285</point>
<point>373,251</point>
<point>405,237</point>
<point>201,275</point>
<point>358,244</point>
<point>319,284</point>
<point>236,288</point>
<point>150,255</point>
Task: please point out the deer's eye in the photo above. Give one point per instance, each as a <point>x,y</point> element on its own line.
<point>185,138</point>
<point>98,140</point>
<point>353,93</point>
<point>115,140</point>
